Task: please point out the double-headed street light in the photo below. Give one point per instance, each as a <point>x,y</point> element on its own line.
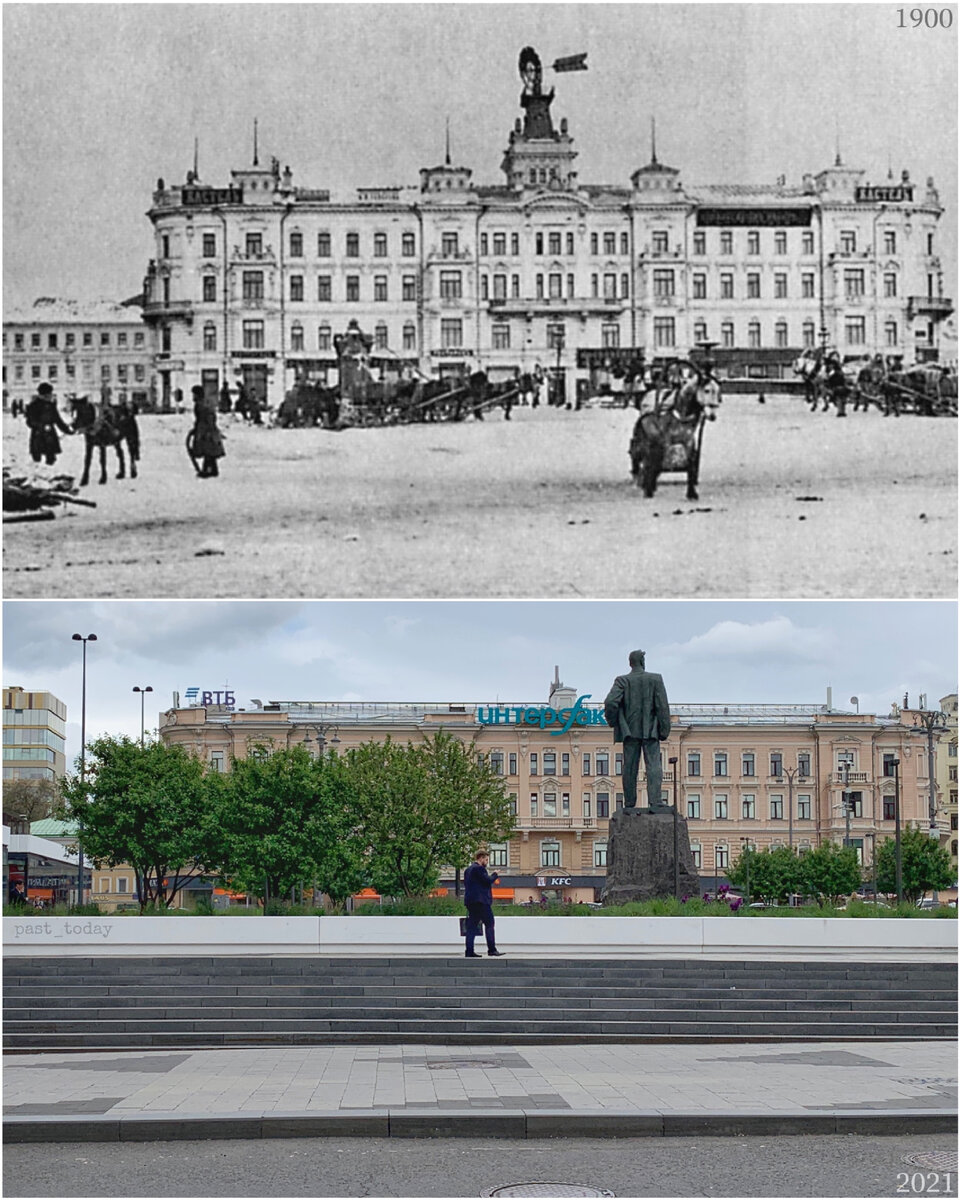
<point>932,723</point>
<point>895,763</point>
<point>745,855</point>
<point>846,799</point>
<point>143,695</point>
<point>321,739</point>
<point>791,773</point>
<point>91,637</point>
<point>676,839</point>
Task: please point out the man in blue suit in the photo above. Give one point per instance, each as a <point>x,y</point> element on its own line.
<point>478,897</point>
<point>639,714</point>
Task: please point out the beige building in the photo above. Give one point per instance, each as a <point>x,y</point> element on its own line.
<point>762,775</point>
<point>79,349</point>
<point>252,278</point>
<point>946,777</point>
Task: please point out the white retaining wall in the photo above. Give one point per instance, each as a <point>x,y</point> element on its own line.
<point>545,937</point>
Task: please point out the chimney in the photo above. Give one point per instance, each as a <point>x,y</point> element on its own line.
<point>829,699</point>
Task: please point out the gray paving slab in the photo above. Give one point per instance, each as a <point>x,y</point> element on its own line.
<point>434,1091</point>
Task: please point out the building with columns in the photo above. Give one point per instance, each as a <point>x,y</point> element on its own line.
<point>253,278</point>
<point>757,774</point>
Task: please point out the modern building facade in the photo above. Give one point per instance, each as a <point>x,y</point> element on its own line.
<point>758,775</point>
<point>34,735</point>
<point>80,349</point>
<point>252,280</point>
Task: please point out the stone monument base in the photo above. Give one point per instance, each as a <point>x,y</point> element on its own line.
<point>640,857</point>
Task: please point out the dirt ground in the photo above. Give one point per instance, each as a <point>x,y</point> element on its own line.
<point>792,504</point>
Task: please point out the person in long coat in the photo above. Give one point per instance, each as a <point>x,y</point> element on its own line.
<point>43,420</point>
<point>638,711</point>
<point>206,441</point>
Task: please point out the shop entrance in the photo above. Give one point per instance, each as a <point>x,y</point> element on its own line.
<point>255,383</point>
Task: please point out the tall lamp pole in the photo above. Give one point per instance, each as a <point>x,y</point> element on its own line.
<point>91,637</point>
<point>791,774</point>
<point>895,763</point>
<point>676,839</point>
<point>932,723</point>
<point>745,854</point>
<point>143,696</point>
<point>846,799</point>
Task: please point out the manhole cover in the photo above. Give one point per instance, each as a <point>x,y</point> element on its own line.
<point>545,1189</point>
<point>937,1160</point>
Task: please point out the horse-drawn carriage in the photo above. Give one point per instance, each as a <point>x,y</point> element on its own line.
<point>925,389</point>
<point>668,433</point>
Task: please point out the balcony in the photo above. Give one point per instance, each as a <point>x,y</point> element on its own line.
<point>555,822</point>
<point>842,779</point>
<point>168,310</point>
<point>557,305</point>
<point>934,306</point>
<point>266,255</point>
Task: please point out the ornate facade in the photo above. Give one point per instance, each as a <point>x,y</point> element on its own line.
<point>251,281</point>
<point>759,774</point>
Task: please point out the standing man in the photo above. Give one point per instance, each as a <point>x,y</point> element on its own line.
<point>637,711</point>
<point>478,897</point>
<point>204,440</point>
<point>43,421</point>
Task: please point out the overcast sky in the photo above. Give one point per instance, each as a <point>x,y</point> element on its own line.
<point>99,100</point>
<point>735,652</point>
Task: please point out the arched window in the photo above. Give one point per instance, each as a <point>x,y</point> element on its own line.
<point>324,338</point>
<point>209,335</point>
<point>409,336</point>
<point>296,336</point>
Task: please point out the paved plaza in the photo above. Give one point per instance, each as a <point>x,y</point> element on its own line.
<point>509,1090</point>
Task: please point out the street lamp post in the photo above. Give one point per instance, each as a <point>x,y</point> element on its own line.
<point>932,722</point>
<point>143,695</point>
<point>846,799</point>
<point>895,763</point>
<point>745,854</point>
<point>676,837</point>
<point>91,637</point>
<point>873,867</point>
<point>791,773</point>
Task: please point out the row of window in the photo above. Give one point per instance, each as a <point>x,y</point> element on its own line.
<point>125,372</point>
<point>120,338</point>
<point>854,333</point>
<point>31,736</point>
<point>550,242</point>
<point>599,763</point>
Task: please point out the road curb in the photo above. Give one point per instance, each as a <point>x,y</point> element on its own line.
<point>501,1123</point>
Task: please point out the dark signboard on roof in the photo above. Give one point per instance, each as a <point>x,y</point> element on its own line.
<point>753,216</point>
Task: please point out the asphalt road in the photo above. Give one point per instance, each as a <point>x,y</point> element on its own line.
<point>835,1166</point>
<point>791,504</point>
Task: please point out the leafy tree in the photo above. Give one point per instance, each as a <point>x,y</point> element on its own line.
<point>418,808</point>
<point>774,873</point>
<point>925,864</point>
<point>275,812</point>
<point>829,872</point>
<point>32,799</point>
<point>142,806</point>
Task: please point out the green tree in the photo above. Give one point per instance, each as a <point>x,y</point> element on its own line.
<point>274,810</point>
<point>774,874</point>
<point>926,865</point>
<point>142,806</point>
<point>418,808</point>
<point>829,872</point>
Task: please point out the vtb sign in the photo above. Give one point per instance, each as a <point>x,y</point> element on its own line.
<point>543,718</point>
<point>222,698</point>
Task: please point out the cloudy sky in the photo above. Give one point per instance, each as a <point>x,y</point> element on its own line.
<point>99,100</point>
<point>736,652</point>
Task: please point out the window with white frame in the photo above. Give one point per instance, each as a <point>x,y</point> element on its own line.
<point>720,808</point>
<point>693,808</point>
<point>721,857</point>
<point>123,884</point>
<point>776,808</point>
<point>550,854</point>
<point>600,854</point>
<point>748,807</point>
<point>697,853</point>
<point>549,804</point>
<point>804,807</point>
<point>498,852</point>
<point>216,761</point>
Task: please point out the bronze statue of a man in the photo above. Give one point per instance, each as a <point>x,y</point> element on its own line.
<point>639,714</point>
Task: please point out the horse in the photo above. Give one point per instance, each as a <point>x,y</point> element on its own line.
<point>824,378</point>
<point>668,435</point>
<point>104,425</point>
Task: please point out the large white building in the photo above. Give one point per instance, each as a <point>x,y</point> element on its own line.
<point>79,348</point>
<point>252,281</point>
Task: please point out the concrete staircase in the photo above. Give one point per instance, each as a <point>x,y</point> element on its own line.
<point>183,1002</point>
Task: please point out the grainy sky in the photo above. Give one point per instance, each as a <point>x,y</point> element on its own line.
<point>733,652</point>
<point>99,100</point>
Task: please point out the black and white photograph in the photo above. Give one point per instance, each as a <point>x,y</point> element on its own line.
<point>479,300</point>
